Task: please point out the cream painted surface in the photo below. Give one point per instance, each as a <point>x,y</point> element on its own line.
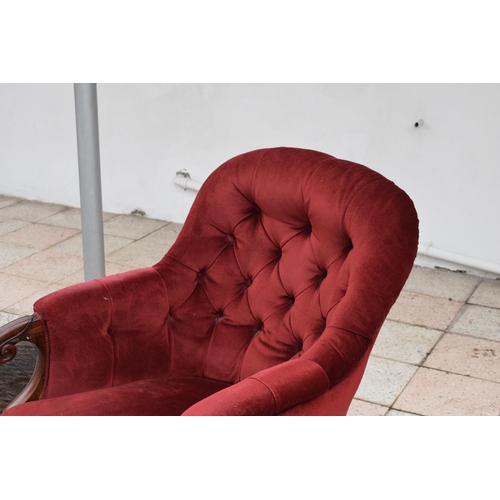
<point>148,132</point>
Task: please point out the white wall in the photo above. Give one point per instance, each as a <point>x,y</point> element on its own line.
<point>450,166</point>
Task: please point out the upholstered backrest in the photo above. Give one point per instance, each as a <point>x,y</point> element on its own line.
<point>286,253</point>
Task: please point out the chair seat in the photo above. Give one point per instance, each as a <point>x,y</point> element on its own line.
<point>168,397</point>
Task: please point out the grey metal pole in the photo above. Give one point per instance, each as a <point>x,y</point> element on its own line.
<point>89,167</point>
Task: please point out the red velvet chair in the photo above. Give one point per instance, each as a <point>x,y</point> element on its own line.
<point>268,303</point>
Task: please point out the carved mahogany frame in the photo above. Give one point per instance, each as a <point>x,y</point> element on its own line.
<point>27,328</point>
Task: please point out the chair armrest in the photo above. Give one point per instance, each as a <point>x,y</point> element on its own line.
<point>268,392</point>
<point>29,329</point>
<point>105,332</point>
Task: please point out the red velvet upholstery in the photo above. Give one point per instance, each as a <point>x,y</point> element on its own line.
<point>268,303</point>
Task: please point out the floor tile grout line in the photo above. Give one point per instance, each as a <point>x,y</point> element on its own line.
<point>449,372</point>
<point>472,336</point>
<point>435,328</point>
<point>473,291</point>
<point>456,318</point>
<point>403,389</point>
<point>433,348</point>
<point>461,311</point>
<point>481,305</point>
<point>372,403</point>
<point>435,344</point>
<point>146,235</point>
<point>413,414</point>
<point>430,328</point>
<point>417,365</point>
<point>435,296</point>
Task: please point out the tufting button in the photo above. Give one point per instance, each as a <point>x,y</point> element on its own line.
<point>257,329</point>
<point>230,238</point>
<point>246,285</point>
<point>200,275</point>
<point>109,330</point>
<point>218,315</point>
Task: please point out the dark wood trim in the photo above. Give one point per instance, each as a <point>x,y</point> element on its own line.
<point>29,329</point>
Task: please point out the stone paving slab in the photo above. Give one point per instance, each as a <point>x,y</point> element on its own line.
<point>384,380</point>
<point>470,356</point>
<point>487,294</point>
<point>424,310</point>
<point>407,343</point>
<point>439,393</point>
<point>478,321</point>
<point>441,283</point>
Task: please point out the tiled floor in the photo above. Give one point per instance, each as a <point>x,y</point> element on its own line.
<point>437,354</point>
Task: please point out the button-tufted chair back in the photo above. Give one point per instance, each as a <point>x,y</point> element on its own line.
<point>287,255</point>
